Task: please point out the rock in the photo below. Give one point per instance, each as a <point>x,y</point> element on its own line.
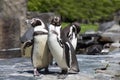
<point>112,33</point>
<point>94,49</point>
<point>105,39</point>
<point>112,36</point>
<point>114,28</point>
<point>106,25</point>
<point>22,69</point>
<point>12,17</point>
<point>103,76</point>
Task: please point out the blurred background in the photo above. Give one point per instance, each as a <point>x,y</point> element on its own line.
<point>13,13</point>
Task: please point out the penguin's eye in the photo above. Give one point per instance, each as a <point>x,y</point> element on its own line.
<point>38,22</point>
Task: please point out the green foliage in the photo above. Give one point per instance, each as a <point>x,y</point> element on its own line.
<point>87,27</point>
<point>64,24</point>
<point>84,27</point>
<point>71,10</point>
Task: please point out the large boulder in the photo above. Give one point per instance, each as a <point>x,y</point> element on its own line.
<point>110,31</point>
<point>106,25</point>
<point>9,37</point>
<point>115,46</point>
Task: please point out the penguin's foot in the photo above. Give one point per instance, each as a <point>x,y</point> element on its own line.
<point>46,70</point>
<point>71,71</point>
<point>36,72</point>
<point>63,74</point>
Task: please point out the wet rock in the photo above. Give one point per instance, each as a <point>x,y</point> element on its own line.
<point>108,75</point>
<point>115,46</point>
<point>22,69</point>
<point>18,78</point>
<point>103,76</point>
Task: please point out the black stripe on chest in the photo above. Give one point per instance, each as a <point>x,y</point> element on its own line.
<point>39,33</point>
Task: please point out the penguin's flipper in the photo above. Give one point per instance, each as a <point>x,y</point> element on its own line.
<point>71,58</point>
<point>28,35</point>
<point>74,64</point>
<point>25,44</point>
<point>67,54</point>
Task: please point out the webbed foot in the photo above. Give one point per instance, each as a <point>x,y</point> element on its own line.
<point>63,74</point>
<point>36,72</point>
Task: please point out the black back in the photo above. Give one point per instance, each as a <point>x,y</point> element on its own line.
<point>70,55</point>
<point>28,35</point>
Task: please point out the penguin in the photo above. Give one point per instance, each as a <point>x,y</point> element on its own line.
<point>40,55</point>
<point>71,32</point>
<point>26,38</point>
<point>63,52</point>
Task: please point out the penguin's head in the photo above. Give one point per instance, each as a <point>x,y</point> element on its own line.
<point>76,27</point>
<point>56,21</point>
<point>35,22</point>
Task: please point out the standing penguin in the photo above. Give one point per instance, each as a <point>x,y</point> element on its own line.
<point>63,52</point>
<point>40,55</point>
<point>71,31</point>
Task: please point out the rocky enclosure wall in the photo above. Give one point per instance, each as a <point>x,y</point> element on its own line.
<point>16,8</point>
<point>12,26</point>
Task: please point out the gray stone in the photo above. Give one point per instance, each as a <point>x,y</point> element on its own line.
<point>103,76</point>
<point>12,26</point>
<point>22,69</point>
<point>106,25</point>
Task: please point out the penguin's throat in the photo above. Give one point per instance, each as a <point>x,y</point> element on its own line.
<point>54,32</point>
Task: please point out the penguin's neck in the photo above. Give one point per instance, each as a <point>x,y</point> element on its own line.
<point>72,36</point>
<point>56,29</point>
<point>71,30</point>
<point>40,28</point>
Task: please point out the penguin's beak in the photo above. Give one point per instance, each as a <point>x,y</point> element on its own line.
<point>27,21</point>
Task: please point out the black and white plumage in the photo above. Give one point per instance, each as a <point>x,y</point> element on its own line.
<point>71,31</point>
<point>40,54</point>
<point>55,45</point>
<point>63,52</point>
